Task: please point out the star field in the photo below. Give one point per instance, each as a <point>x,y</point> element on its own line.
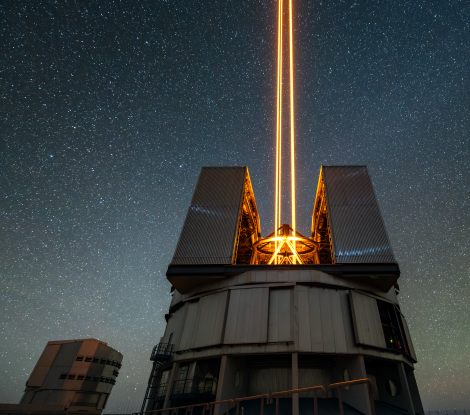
<point>109,110</point>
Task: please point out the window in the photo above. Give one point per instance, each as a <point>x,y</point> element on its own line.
<point>392,327</point>
<point>88,359</point>
<point>96,378</point>
<point>88,378</point>
<point>63,376</point>
<point>80,377</point>
<point>71,376</point>
<point>119,365</point>
<point>103,361</point>
<point>96,360</point>
<point>79,358</point>
<point>115,373</point>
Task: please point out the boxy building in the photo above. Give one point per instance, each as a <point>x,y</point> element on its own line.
<point>73,376</point>
<point>243,324</point>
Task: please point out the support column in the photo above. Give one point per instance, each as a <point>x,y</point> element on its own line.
<point>171,379</point>
<point>357,396</point>
<point>220,383</point>
<point>417,404</point>
<point>295,383</point>
<point>405,389</point>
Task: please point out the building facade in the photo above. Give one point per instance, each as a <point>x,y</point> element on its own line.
<point>241,324</point>
<point>74,376</point>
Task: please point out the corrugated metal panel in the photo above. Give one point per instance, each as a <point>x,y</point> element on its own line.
<point>210,229</point>
<point>357,229</point>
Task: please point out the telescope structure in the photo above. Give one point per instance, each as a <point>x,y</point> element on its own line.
<point>252,315</point>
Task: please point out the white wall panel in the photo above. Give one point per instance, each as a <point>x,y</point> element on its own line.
<point>247,318</point>
<point>211,313</point>
<point>304,342</point>
<point>366,319</point>
<point>322,320</point>
<point>175,325</point>
<point>189,324</point>
<point>327,321</point>
<point>338,323</point>
<point>310,319</point>
<point>280,315</point>
<point>316,324</point>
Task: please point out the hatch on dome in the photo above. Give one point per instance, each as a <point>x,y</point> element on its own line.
<point>346,221</point>
<point>222,223</point>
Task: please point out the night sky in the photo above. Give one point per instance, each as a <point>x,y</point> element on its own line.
<point>109,109</point>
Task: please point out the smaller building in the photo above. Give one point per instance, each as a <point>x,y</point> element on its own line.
<point>74,376</point>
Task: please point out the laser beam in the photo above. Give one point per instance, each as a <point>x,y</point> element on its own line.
<point>279,125</point>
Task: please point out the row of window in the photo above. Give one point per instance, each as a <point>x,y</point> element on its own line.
<point>72,376</point>
<point>97,360</point>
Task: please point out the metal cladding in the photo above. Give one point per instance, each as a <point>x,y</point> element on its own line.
<point>358,231</point>
<point>209,232</point>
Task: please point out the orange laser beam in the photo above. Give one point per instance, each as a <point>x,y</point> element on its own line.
<point>292,140</point>
<point>277,218</point>
<point>278,185</point>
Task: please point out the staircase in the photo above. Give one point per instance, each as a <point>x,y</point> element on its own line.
<point>161,354</point>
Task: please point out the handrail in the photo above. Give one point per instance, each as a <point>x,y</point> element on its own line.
<point>274,395</point>
<point>196,405</point>
<point>291,392</point>
<point>161,349</point>
<point>250,398</point>
<point>156,411</point>
<point>212,404</point>
<point>352,383</point>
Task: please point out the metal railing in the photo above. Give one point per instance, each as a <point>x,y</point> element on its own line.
<point>161,350</point>
<point>340,385</point>
<point>250,398</point>
<point>313,389</point>
<point>197,405</point>
<point>161,354</point>
<point>269,399</point>
<point>229,403</point>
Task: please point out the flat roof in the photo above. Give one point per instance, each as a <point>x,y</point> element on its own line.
<point>75,340</point>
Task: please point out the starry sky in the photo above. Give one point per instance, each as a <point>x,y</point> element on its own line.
<point>109,109</point>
